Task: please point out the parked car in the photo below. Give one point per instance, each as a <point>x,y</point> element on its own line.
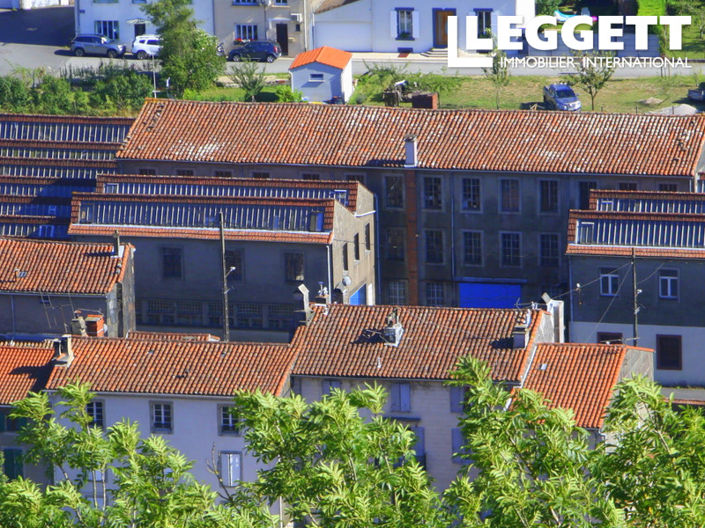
<point>96,45</point>
<point>261,50</point>
<point>561,97</point>
<point>146,46</point>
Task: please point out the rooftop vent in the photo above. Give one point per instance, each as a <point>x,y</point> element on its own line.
<point>393,330</point>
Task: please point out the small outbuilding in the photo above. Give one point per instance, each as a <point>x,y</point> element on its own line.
<point>323,75</point>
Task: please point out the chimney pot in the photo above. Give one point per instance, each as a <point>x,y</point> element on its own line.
<point>411,151</point>
<point>63,351</point>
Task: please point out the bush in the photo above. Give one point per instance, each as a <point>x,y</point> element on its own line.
<point>651,8</point>
<point>546,7</point>
<point>285,94</point>
<point>15,96</point>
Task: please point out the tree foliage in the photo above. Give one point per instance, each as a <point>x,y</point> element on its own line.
<point>334,467</point>
<point>594,71</point>
<point>188,54</point>
<point>498,75</point>
<point>529,462</point>
<point>248,76</point>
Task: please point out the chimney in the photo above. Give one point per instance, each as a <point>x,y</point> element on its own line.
<point>78,325</point>
<point>411,151</point>
<point>116,243</point>
<point>393,330</point>
<point>63,351</point>
<point>520,334</point>
<point>95,325</point>
<point>322,297</point>
<point>304,314</point>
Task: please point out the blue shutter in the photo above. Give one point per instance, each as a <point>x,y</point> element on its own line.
<point>420,445</point>
<point>404,397</point>
<point>395,396</point>
<point>456,399</point>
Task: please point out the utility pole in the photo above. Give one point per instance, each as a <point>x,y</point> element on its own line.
<point>635,294</point>
<point>226,315</point>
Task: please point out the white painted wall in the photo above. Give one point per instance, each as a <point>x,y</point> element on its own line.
<point>195,429</point>
<point>692,339</point>
<point>340,27</point>
<point>87,12</point>
<point>335,83</point>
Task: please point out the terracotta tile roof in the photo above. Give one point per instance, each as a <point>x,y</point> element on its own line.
<point>643,252</point>
<point>59,267</point>
<point>323,55</point>
<point>171,336</point>
<point>175,366</point>
<point>359,136</point>
<point>346,342</point>
<point>23,369</point>
<point>575,376</point>
<point>203,234</point>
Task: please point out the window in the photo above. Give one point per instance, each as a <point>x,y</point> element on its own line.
<point>394,244</point>
<point>315,77</point>
<point>471,194</point>
<point>111,188</point>
<point>227,422</point>
<point>458,441</point>
<point>511,249</point>
<point>172,263</point>
<point>95,411</point>
<point>244,2</point>
<point>310,176</point>
<point>548,250</point>
<point>435,294</point>
<point>12,463</point>
<point>10,425</point>
<point>457,399</point>
<point>280,316</point>
<point>223,174</point>
<point>584,193</point>
<point>230,468</point>
<point>667,187</point>
<point>294,266</point>
<point>396,292</point>
<point>609,283</point>
<point>668,352</point>
<point>248,315</point>
<point>147,172</point>
<point>668,284</point>
<point>346,264</point>
<point>610,338</point>
<point>484,22</point>
<point>260,175</point>
<point>432,198</point>
<point>472,248</point>
<point>509,196</point>
<point>356,245</point>
<point>405,24</point>
<point>627,186</point>
<point>327,386</point>
<point>161,418</point>
<point>394,192</point>
<point>434,247</point>
<point>108,28</point>
<point>400,396</point>
<point>245,31</point>
<point>368,237</point>
<point>184,172</point>
<point>233,259</point>
<point>548,196</point>
<point>189,313</point>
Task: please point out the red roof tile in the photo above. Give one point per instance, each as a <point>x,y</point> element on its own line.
<point>359,136</point>
<point>23,369</point>
<point>59,267</point>
<point>171,336</point>
<point>578,377</point>
<point>180,367</point>
<point>626,251</point>
<point>346,342</point>
<point>324,55</point>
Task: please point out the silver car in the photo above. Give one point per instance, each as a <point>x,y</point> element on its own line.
<point>96,45</point>
<point>146,46</point>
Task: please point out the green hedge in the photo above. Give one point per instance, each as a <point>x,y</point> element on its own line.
<point>651,7</point>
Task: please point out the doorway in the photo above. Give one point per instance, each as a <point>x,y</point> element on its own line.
<point>440,27</point>
<point>283,37</point>
<point>140,29</point>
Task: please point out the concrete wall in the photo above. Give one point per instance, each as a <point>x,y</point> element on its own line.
<point>335,82</point>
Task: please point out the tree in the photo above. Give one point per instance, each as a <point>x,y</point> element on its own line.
<point>335,468</point>
<point>594,71</point>
<point>188,54</point>
<point>547,7</point>
<point>250,78</point>
<point>149,486</point>
<point>531,461</point>
<point>654,464</point>
<point>498,75</point>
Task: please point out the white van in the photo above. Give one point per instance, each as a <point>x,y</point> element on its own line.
<point>146,46</point>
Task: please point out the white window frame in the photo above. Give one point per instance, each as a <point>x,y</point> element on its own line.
<point>501,196</point>
<point>316,78</point>
<point>246,31</point>
<point>611,280</point>
<point>501,249</point>
<point>153,415</point>
<point>667,283</point>
<point>227,423</point>
<point>397,292</point>
<point>96,405</point>
<point>229,477</point>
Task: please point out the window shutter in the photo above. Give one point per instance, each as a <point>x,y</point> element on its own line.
<point>3,422</point>
<point>420,445</point>
<point>405,397</point>
<point>415,24</point>
<point>457,436</point>
<point>395,396</point>
<point>393,24</point>
<point>456,399</point>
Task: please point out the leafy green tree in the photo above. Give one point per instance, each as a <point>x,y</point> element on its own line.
<point>250,78</point>
<point>147,484</point>
<point>530,462</point>
<point>121,89</point>
<point>498,75</point>
<point>15,95</point>
<point>654,464</point>
<point>594,71</point>
<point>547,7</point>
<point>334,467</point>
<point>188,54</point>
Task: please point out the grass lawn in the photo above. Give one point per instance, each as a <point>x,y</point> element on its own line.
<point>620,95</point>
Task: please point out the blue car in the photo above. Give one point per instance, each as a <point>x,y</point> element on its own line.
<point>560,96</point>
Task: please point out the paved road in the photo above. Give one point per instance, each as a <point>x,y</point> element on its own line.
<point>39,39</point>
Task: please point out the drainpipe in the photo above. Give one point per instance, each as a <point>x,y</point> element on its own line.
<point>378,256</point>
<point>329,249</point>
<point>12,309</point>
<point>452,233</point>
